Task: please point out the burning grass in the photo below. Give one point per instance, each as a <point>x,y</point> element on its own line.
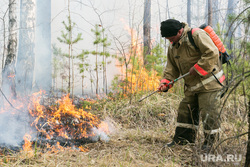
<point>141,131</point>
<point>55,127</point>
<point>63,120</point>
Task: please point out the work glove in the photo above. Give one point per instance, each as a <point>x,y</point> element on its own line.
<point>164,87</point>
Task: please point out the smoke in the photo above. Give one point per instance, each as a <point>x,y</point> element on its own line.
<point>43,66</point>
<point>99,135</point>
<point>104,131</point>
<point>13,126</point>
<point>14,117</point>
<point>14,123</point>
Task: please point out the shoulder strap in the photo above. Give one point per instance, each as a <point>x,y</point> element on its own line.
<point>190,37</point>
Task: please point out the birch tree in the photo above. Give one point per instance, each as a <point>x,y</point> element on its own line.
<point>26,52</point>
<point>9,71</point>
<point>3,20</point>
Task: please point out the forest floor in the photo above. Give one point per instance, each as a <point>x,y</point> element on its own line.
<point>138,137</point>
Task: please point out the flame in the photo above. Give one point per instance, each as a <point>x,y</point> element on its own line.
<point>27,143</point>
<point>63,120</point>
<point>55,148</point>
<point>82,149</point>
<point>137,78</point>
<point>27,147</point>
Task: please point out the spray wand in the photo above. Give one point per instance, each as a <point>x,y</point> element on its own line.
<point>167,84</point>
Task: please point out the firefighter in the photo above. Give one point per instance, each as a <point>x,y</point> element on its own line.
<point>201,88</point>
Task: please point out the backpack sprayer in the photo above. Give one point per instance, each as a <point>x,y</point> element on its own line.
<point>167,84</point>
<point>224,56</point>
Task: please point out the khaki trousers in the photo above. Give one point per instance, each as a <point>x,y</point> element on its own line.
<point>204,104</point>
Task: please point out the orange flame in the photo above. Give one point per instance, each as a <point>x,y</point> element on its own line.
<point>63,120</point>
<point>27,143</point>
<point>137,78</point>
<point>60,120</point>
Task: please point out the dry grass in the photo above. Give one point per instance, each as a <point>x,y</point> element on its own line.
<point>140,132</point>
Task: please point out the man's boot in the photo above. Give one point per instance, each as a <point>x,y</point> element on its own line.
<point>183,136</point>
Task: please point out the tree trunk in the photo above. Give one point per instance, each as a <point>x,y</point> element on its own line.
<point>43,69</point>
<point>91,81</point>
<point>230,11</point>
<point>146,29</point>
<point>167,11</point>
<point>215,8</point>
<point>26,55</point>
<point>70,45</point>
<point>4,43</point>
<point>189,12</point>
<point>198,11</point>
<point>72,68</point>
<point>210,13</point>
<point>96,70</point>
<point>247,163</point>
<point>8,78</point>
<point>83,85</point>
<point>69,78</point>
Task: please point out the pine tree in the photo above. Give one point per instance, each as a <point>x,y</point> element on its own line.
<point>66,38</point>
<point>83,66</point>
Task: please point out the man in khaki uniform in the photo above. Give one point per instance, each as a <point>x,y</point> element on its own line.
<point>201,89</point>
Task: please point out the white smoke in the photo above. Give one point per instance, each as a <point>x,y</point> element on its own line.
<point>13,126</point>
<point>14,123</point>
<point>101,134</point>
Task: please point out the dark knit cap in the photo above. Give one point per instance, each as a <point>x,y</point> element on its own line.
<point>170,27</point>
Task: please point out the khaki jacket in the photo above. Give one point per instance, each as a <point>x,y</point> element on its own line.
<point>183,55</point>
